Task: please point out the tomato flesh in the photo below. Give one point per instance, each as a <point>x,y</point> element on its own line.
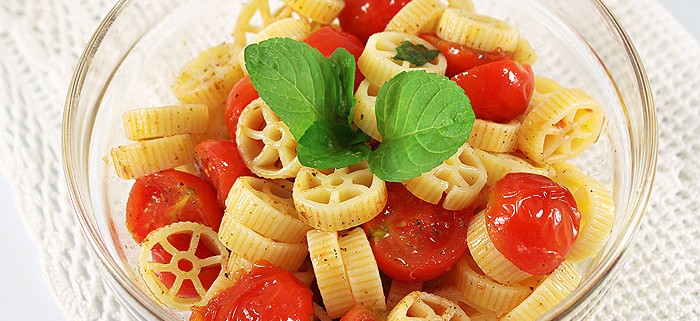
<point>363,313</point>
<point>499,91</point>
<point>328,39</point>
<point>221,164</point>
<point>267,293</point>
<point>461,58</point>
<point>242,94</point>
<point>416,241</point>
<point>170,196</point>
<point>532,221</point>
<point>364,18</point>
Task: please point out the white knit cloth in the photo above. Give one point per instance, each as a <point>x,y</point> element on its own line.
<point>40,41</point>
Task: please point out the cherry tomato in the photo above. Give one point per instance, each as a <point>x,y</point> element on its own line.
<point>416,241</point>
<point>328,39</point>
<point>242,93</point>
<point>267,293</point>
<point>221,164</point>
<point>363,313</point>
<point>499,91</point>
<point>363,18</point>
<point>170,196</point>
<point>532,221</point>
<point>461,58</point>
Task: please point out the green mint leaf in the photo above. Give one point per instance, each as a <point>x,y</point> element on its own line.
<point>424,118</point>
<point>327,145</point>
<point>418,55</point>
<point>344,63</point>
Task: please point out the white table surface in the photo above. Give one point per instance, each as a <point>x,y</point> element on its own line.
<point>25,295</point>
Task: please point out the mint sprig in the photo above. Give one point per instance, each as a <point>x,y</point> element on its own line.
<point>417,55</point>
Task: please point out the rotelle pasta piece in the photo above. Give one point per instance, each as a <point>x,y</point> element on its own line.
<point>524,53</point>
<point>265,207</point>
<point>476,31</point>
<point>146,157</point>
<point>378,65</point>
<point>254,16</point>
<point>475,312</point>
<point>321,11</point>
<point>331,275</point>
<point>467,5</point>
<point>284,28</point>
<point>338,199</point>
<point>498,165</point>
<point>494,137</point>
<point>460,178</point>
<point>561,127</point>
<point>417,16</point>
<point>364,115</point>
<point>146,123</point>
<point>398,290</point>
<point>200,234</point>
<point>237,267</point>
<point>265,142</point>
<point>422,306</point>
<point>362,269</point>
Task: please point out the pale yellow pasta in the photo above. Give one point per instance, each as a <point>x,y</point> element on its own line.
<point>524,53</point>
<point>199,235</point>
<point>476,31</point>
<point>460,178</point>
<point>187,168</point>
<point>237,267</point>
<point>147,123</point>
<point>219,285</point>
<point>377,61</point>
<point>364,115</point>
<point>498,165</point>
<point>338,199</point>
<point>321,11</point>
<point>320,314</point>
<point>487,257</point>
<point>475,312</point>
<point>331,276</point>
<point>494,137</point>
<point>597,208</point>
<point>254,16</point>
<point>398,290</point>
<point>422,306</point>
<point>284,28</point>
<point>417,16</point>
<point>266,207</point>
<point>146,157</point>
<point>362,269</point>
<point>265,142</point>
<point>467,5</point>
<point>548,294</point>
<point>245,242</point>
<point>561,127</point>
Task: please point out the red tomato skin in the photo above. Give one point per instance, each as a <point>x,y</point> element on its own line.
<point>328,39</point>
<point>364,18</point>
<point>416,241</point>
<point>363,313</point>
<point>532,221</point>
<point>221,164</point>
<point>267,293</point>
<point>242,94</point>
<point>170,196</point>
<point>461,58</point>
<point>499,91</point>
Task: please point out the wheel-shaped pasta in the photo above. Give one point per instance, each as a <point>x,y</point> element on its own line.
<point>184,265</point>
<point>597,210</point>
<point>237,267</point>
<point>466,5</point>
<point>498,165</point>
<point>320,11</point>
<point>265,207</point>
<point>377,61</point>
<point>399,290</point>
<point>487,257</point>
<point>362,269</point>
<point>265,142</point>
<point>460,178</point>
<point>561,127</point>
<point>422,306</point>
<point>524,53</point>
<point>147,123</point>
<point>473,311</point>
<point>364,115</point>
<point>146,157</point>
<point>417,16</point>
<point>476,31</point>
<point>331,275</point>
<point>494,137</point>
<point>284,28</point>
<point>548,294</point>
<point>338,199</point>
<point>254,16</point>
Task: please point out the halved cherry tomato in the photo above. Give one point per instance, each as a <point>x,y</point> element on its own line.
<point>461,58</point>
<point>363,18</point>
<point>416,241</point>
<point>328,39</point>
<point>221,164</point>
<point>170,196</point>
<point>363,313</point>
<point>267,293</point>
<point>499,91</point>
<point>242,93</point>
<point>532,221</point>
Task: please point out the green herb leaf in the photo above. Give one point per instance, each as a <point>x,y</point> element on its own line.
<point>423,118</point>
<point>326,145</point>
<point>418,55</point>
<point>344,63</point>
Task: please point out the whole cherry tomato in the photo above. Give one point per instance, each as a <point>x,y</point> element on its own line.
<point>363,18</point>
<point>499,91</point>
<point>328,39</point>
<point>242,94</point>
<point>532,221</point>
<point>221,164</point>
<point>461,58</point>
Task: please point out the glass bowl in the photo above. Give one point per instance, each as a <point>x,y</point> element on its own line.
<point>134,56</point>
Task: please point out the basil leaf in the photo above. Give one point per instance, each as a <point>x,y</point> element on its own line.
<point>327,145</point>
<point>344,63</point>
<point>423,118</point>
<point>418,55</point>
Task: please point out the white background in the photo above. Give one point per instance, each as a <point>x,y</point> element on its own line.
<point>24,294</point>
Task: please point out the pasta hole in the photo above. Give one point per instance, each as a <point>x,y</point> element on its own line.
<point>185,265</point>
<point>347,194</point>
<point>275,134</point>
<point>319,196</point>
<point>336,181</point>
